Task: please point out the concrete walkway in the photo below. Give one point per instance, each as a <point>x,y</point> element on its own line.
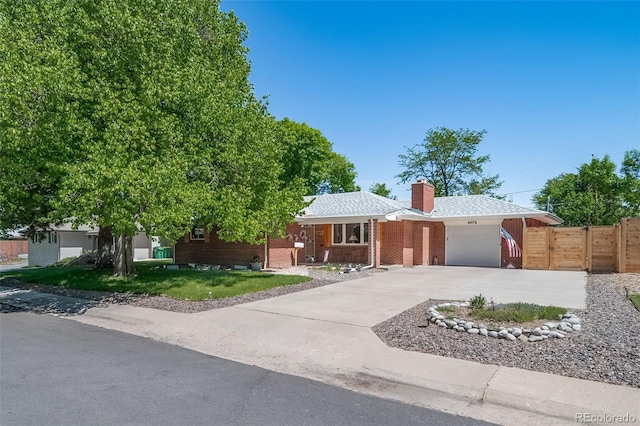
<point>324,334</point>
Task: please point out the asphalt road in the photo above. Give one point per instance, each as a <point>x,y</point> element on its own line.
<point>58,372</point>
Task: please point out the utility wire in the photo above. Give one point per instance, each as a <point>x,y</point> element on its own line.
<point>559,161</point>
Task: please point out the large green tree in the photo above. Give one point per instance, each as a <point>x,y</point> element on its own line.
<point>135,115</point>
<point>448,160</point>
<point>307,155</point>
<point>596,194</point>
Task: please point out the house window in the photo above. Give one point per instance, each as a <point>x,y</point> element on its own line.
<point>351,233</point>
<point>197,234</point>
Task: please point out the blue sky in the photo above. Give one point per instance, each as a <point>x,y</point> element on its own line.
<point>552,83</point>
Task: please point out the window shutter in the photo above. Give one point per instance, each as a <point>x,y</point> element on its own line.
<point>207,236</point>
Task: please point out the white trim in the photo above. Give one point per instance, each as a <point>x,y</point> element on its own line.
<point>337,219</point>
<point>472,221</point>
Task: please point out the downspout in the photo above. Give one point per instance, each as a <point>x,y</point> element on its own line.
<point>266,250</point>
<point>371,244</point>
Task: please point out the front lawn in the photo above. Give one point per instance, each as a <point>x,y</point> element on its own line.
<point>635,299</point>
<point>153,279</point>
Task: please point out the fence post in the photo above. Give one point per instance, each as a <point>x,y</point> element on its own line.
<point>589,254</point>
<point>616,245</point>
<point>622,247</point>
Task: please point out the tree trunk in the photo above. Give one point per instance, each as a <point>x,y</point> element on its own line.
<point>123,265</point>
<point>105,248</point>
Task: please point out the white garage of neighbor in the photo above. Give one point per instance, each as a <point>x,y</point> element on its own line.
<point>62,241</point>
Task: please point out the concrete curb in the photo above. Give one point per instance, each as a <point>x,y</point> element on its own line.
<point>560,396</point>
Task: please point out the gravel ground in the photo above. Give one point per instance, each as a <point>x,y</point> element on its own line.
<point>606,350</point>
<point>319,279</point>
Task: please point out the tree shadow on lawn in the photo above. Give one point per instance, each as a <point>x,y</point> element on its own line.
<point>157,281</point>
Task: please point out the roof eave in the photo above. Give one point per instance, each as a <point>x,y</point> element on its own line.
<point>327,220</point>
<point>545,217</point>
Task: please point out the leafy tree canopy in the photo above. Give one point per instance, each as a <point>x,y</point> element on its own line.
<point>596,194</point>
<point>447,159</point>
<point>135,114</point>
<point>381,189</point>
<point>307,155</point>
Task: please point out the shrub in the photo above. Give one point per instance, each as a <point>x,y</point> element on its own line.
<point>478,302</point>
<point>519,312</point>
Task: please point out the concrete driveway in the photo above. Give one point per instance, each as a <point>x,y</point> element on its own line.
<point>378,297</point>
<point>324,334</point>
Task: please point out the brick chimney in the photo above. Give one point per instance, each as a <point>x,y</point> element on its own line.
<point>422,194</point>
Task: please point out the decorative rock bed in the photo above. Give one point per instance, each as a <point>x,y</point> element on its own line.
<point>568,323</point>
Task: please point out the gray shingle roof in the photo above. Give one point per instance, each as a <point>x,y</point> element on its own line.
<point>365,204</point>
<point>475,205</point>
<point>351,204</point>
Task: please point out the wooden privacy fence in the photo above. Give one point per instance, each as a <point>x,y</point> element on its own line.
<point>595,248</point>
<point>12,249</point>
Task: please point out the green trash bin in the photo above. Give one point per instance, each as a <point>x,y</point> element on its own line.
<point>167,253</point>
<point>158,252</point>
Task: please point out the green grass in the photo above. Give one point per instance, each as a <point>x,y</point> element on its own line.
<point>153,279</point>
<point>635,299</point>
<point>518,312</point>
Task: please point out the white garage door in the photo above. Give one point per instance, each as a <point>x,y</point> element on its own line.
<point>473,245</point>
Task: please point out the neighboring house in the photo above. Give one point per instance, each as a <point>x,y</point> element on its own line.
<point>61,242</point>
<point>364,228</point>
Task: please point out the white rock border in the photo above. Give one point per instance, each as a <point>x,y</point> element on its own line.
<point>558,330</point>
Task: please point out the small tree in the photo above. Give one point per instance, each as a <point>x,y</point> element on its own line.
<point>448,160</point>
<point>381,189</point>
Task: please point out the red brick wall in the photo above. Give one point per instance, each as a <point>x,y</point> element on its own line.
<point>349,254</point>
<point>437,242</point>
<point>515,229</point>
<point>281,249</point>
<point>391,243</point>
<point>216,252</point>
<point>401,243</point>
<point>422,196</point>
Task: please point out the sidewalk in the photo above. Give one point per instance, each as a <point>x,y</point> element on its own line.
<point>313,334</point>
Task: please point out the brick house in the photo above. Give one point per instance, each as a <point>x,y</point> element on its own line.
<point>367,229</point>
